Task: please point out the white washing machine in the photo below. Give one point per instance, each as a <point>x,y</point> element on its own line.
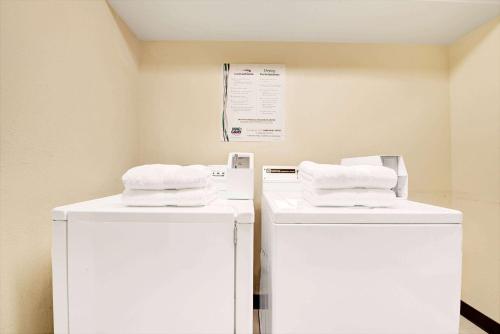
<point>141,270</point>
<point>356,270</point>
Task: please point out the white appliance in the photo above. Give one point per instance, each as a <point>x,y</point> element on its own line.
<point>356,270</point>
<point>141,270</point>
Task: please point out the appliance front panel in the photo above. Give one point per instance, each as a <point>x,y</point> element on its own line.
<point>144,277</point>
<point>366,279</point>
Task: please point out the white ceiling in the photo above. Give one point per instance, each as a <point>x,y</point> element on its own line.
<point>351,21</point>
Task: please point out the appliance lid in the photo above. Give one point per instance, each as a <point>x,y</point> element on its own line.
<point>109,209</point>
<point>291,208</point>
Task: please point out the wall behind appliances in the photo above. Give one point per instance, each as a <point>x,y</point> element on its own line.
<point>73,92</point>
<point>341,100</point>
<point>68,131</point>
<point>475,154</point>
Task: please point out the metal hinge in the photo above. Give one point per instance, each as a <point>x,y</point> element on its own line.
<point>235,233</point>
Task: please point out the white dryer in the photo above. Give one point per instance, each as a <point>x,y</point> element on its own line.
<point>120,269</point>
<point>356,270</point>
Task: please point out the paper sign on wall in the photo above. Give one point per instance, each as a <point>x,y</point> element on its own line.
<point>253,102</point>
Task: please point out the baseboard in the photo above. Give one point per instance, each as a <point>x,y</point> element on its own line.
<point>479,319</point>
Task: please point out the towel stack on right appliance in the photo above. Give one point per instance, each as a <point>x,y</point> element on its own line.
<point>344,251</point>
<point>338,185</point>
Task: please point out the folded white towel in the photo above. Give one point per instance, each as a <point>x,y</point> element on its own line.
<point>323,176</point>
<point>350,197</point>
<point>181,197</point>
<point>159,177</point>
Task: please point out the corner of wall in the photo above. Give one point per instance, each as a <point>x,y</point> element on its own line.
<point>129,38</point>
<point>474,86</point>
<point>133,46</point>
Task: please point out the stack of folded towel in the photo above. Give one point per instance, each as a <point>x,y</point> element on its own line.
<point>168,185</point>
<point>336,185</point>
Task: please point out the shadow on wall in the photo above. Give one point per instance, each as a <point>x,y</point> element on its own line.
<point>35,313</point>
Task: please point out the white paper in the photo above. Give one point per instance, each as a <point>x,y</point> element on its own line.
<point>253,102</point>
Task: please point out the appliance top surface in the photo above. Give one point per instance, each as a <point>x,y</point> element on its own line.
<point>111,209</point>
<point>288,207</point>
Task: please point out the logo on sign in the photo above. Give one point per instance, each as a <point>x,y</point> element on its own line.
<point>236,131</point>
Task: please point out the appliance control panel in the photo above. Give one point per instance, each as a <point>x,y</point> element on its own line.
<point>218,171</point>
<point>280,174</point>
<point>240,175</point>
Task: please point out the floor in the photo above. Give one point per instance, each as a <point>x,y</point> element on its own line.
<point>466,327</point>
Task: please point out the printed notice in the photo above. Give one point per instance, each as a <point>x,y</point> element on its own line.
<point>253,102</point>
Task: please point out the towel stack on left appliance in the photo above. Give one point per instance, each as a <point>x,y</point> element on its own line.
<point>168,185</point>
<point>170,261</point>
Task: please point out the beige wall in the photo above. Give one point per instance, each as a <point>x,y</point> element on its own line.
<point>82,100</point>
<point>475,154</point>
<point>68,131</point>
<point>341,100</point>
